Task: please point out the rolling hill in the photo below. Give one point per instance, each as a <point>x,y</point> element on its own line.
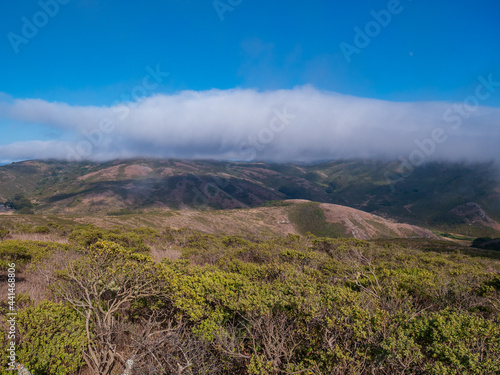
<point>458,198</point>
<point>280,219</point>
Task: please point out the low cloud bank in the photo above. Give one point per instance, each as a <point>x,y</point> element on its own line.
<point>302,124</point>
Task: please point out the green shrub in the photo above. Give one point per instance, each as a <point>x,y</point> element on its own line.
<point>457,342</point>
<point>25,211</point>
<point>52,336</point>
<point>86,235</point>
<point>41,229</point>
<point>19,202</point>
<point>134,239</point>
<point>23,252</point>
<point>4,233</point>
<point>279,305</point>
<point>309,217</point>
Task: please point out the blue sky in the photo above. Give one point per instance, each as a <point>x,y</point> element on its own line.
<point>92,53</point>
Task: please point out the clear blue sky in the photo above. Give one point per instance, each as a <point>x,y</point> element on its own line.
<point>93,51</point>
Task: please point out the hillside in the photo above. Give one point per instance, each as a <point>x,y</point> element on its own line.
<point>450,197</point>
<point>209,266</point>
<point>287,217</point>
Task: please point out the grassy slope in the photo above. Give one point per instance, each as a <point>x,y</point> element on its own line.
<point>426,197</point>
<point>289,217</point>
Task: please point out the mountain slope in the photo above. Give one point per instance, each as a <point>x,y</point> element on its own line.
<point>433,195</point>
<point>286,217</point>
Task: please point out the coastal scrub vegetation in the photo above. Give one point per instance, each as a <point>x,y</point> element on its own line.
<point>178,301</point>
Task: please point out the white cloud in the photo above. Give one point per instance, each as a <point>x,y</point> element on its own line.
<point>246,124</point>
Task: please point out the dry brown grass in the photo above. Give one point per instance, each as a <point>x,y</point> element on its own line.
<point>107,173</point>
<point>34,280</point>
<point>45,237</point>
<point>158,253</point>
<point>34,284</point>
<point>136,170</point>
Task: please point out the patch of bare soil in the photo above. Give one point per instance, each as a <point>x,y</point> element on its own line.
<point>136,170</point>
<point>107,173</point>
